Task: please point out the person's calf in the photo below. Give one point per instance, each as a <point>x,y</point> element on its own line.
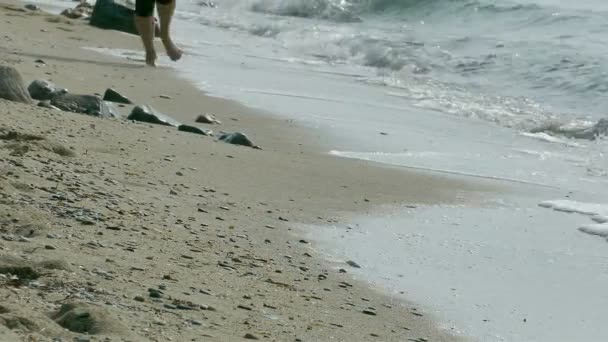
<point>146,27</point>
<point>166,8</point>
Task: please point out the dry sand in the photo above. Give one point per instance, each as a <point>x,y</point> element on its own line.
<point>138,232</point>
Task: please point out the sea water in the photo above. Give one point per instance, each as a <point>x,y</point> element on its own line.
<point>455,88</point>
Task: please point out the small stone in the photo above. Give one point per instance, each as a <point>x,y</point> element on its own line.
<point>139,299</point>
<point>353,264</point>
<point>150,115</point>
<point>24,239</point>
<point>236,139</point>
<point>167,97</point>
<point>170,306</point>
<point>207,119</point>
<point>112,95</point>
<point>49,247</point>
<point>369,312</point>
<point>245,307</point>
<point>158,321</point>
<point>155,293</point>
<point>195,322</point>
<point>250,336</point>
<point>195,130</point>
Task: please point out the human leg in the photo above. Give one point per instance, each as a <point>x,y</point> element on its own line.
<point>144,22</point>
<point>166,8</point>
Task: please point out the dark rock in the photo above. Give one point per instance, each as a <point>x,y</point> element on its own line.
<point>11,86</point>
<point>236,139</point>
<point>150,115</point>
<point>115,15</point>
<point>112,95</point>
<point>32,7</point>
<point>369,312</point>
<point>195,130</point>
<point>44,90</point>
<point>83,104</point>
<point>207,119</point>
<point>87,319</point>
<point>353,264</point>
<point>23,270</point>
<point>250,336</point>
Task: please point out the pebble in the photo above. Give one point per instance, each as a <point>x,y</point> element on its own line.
<point>153,293</point>
<point>250,336</point>
<point>49,247</point>
<point>159,321</point>
<point>195,322</point>
<point>369,312</point>
<point>353,264</point>
<point>139,299</point>
<point>245,307</point>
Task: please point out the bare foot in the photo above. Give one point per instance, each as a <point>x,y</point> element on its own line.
<point>151,58</point>
<point>173,51</point>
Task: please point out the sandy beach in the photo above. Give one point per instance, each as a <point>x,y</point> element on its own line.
<point>137,232</point>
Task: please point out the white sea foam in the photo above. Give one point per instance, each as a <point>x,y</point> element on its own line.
<point>597,212</point>
<point>551,139</point>
<point>568,206</point>
<point>595,229</point>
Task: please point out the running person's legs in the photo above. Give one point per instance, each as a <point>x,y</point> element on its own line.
<point>144,22</point>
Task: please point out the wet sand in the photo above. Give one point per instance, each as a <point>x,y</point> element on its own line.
<point>163,235</point>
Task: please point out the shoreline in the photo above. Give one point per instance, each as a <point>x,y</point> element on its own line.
<point>284,176</point>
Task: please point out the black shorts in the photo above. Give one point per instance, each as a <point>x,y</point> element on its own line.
<point>145,8</point>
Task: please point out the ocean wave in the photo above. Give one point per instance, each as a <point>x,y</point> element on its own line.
<point>340,11</point>
<point>355,10</point>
